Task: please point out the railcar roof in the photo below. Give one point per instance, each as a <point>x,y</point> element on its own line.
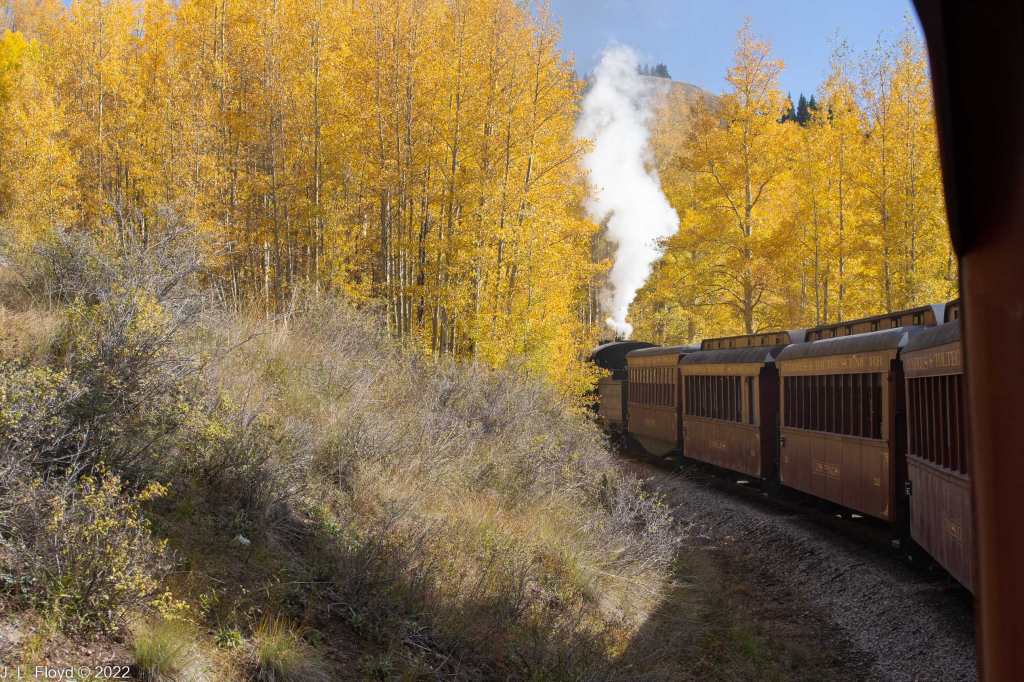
<point>935,336</point>
<point>663,350</point>
<point>792,336</point>
<point>615,347</point>
<point>938,310</point>
<point>734,356</point>
<point>886,339</point>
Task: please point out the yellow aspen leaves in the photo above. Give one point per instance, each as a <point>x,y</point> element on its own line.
<point>789,225</point>
<point>418,153</point>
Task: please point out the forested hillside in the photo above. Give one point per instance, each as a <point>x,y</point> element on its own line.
<point>790,219</point>
<point>419,154</point>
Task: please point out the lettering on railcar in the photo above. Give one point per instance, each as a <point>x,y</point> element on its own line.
<point>716,444</point>
<point>939,360</point>
<point>825,469</point>
<point>850,362</point>
<point>650,422</point>
<point>953,529</point>
<point>719,370</point>
<point>878,482</point>
<point>667,360</point>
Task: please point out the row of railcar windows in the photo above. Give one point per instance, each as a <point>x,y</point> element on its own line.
<point>716,397</point>
<point>935,407</point>
<point>846,404</point>
<point>653,386</point>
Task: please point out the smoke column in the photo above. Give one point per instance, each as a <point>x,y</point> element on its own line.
<point>627,194</point>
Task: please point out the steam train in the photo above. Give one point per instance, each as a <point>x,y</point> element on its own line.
<point>865,415</point>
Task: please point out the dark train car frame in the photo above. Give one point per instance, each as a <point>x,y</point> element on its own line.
<point>842,434</point>
<point>731,402</point>
<point>613,390</point>
<point>655,398</point>
<point>938,454</point>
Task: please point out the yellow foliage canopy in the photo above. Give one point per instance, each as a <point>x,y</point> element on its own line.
<point>786,225</point>
<point>417,153</point>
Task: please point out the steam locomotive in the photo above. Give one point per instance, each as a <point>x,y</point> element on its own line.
<point>865,415</point>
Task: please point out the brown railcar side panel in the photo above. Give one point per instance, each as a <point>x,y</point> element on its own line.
<point>661,423</point>
<point>795,463</point>
<point>940,517</point>
<point>874,474</point>
<point>849,471</point>
<point>729,445</point>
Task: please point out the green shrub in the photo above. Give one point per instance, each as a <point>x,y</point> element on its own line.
<point>85,552</point>
<point>36,423</point>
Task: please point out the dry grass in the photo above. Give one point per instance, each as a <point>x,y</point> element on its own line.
<point>164,650</point>
<point>455,521</point>
<point>28,323</point>
<point>280,655</point>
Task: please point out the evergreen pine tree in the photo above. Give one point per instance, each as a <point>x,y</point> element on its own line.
<point>789,113</point>
<point>802,114</point>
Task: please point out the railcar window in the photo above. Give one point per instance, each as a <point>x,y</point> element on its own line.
<point>805,407</point>
<point>822,415</point>
<point>713,383</point>
<point>791,420</point>
<point>865,406</point>
<point>938,432</point>
<point>727,398</point>
<point>715,397</point>
<point>947,451</point>
<point>750,400</point>
<point>845,380</point>
<point>787,400</point>
<point>876,405</point>
<point>845,404</point>
<point>737,399</point>
<point>960,432</point>
<point>855,406</point>
<point>722,401</point>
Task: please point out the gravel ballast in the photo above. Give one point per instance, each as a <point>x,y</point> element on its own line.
<point>909,622</point>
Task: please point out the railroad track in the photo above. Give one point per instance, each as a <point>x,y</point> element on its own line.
<point>788,503</point>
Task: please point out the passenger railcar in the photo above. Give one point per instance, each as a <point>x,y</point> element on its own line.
<point>843,433</point>
<point>926,315</point>
<point>937,452</point>
<point>612,391</point>
<point>654,397</point>
<point>731,402</point>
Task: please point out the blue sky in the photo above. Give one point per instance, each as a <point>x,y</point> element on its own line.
<point>694,38</point>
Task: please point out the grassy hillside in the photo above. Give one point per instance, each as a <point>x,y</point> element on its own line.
<point>206,494</point>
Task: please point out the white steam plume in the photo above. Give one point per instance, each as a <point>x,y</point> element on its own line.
<point>627,194</point>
